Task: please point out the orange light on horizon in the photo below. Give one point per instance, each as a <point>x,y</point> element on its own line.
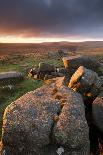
<point>15,39</point>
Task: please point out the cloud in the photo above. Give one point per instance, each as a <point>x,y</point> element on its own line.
<point>37,18</point>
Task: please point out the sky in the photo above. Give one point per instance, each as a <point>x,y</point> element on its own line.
<point>51,20</point>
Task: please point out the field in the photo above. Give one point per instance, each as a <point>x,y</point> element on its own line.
<point>22,57</point>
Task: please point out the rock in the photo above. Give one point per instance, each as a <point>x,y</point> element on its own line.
<point>44,67</point>
<point>97,111</point>
<point>36,118</point>
<point>62,70</point>
<point>58,82</point>
<point>57,74</point>
<point>71,130</point>
<point>10,77</point>
<point>29,121</point>
<point>86,82</point>
<point>46,77</point>
<point>74,62</point>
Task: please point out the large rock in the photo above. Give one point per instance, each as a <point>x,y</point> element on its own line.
<point>97,111</point>
<point>72,63</point>
<point>10,77</point>
<point>86,82</point>
<point>44,67</point>
<point>71,129</point>
<point>43,120</point>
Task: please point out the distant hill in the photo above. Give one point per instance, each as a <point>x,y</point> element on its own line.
<point>10,48</point>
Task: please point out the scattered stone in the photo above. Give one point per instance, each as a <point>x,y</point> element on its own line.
<point>74,62</point>
<point>10,77</point>
<point>45,71</point>
<point>44,67</point>
<point>86,82</point>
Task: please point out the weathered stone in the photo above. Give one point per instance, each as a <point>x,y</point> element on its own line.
<point>10,77</point>
<point>72,63</point>
<point>46,77</point>
<point>71,130</point>
<point>86,82</point>
<point>62,70</point>
<point>37,119</point>
<point>43,67</point>
<point>57,82</point>
<point>97,111</point>
<point>29,121</point>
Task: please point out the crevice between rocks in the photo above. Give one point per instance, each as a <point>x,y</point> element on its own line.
<point>61,101</point>
<point>95,135</point>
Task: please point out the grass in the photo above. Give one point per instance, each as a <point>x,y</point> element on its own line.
<point>27,84</point>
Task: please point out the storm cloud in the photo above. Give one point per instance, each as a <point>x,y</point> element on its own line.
<point>35,18</point>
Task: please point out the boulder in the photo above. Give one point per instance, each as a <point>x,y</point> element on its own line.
<point>44,67</point>
<point>46,119</point>
<point>62,70</point>
<point>73,62</point>
<point>97,111</point>
<point>49,76</point>
<point>71,129</point>
<point>10,77</point>
<point>29,121</point>
<point>86,82</point>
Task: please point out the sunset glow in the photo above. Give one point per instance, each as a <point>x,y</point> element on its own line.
<point>15,39</point>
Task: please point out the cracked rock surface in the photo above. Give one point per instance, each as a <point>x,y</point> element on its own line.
<point>43,120</point>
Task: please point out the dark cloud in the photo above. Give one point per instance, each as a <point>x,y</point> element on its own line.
<point>51,17</point>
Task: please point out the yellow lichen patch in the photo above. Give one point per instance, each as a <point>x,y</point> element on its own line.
<point>54,91</point>
<point>50,81</point>
<point>29,75</point>
<point>58,96</point>
<point>89,94</point>
<point>63,101</point>
<point>56,118</point>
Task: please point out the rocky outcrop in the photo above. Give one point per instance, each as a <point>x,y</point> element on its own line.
<point>74,62</point>
<point>46,71</point>
<point>62,116</point>
<point>86,82</point>
<point>46,119</point>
